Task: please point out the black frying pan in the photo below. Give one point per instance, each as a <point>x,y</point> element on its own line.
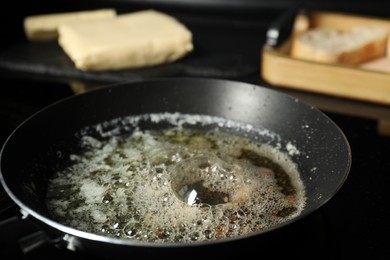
<point>30,155</point>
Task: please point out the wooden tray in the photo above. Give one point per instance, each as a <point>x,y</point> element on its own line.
<point>369,82</point>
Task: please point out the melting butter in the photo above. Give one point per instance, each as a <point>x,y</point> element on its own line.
<point>176,185</point>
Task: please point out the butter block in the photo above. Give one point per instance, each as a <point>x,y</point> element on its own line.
<point>44,27</point>
<point>131,40</point>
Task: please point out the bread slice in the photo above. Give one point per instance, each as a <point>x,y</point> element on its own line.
<point>44,27</point>
<point>360,44</point>
<point>132,40</point>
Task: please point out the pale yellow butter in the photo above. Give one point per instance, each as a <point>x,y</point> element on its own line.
<point>44,27</point>
<point>131,40</point>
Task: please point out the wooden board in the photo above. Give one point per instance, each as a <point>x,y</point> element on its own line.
<point>368,82</point>
<point>350,107</point>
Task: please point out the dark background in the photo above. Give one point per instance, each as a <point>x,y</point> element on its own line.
<point>355,222</point>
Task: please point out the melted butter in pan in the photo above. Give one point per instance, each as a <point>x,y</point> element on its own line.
<point>176,185</point>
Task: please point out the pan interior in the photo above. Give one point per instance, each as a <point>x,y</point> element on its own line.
<point>176,178</point>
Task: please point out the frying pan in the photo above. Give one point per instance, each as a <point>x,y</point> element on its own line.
<point>34,151</point>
